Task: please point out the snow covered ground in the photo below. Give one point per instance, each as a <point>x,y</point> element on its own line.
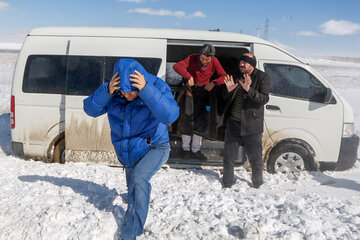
<point>88,201</point>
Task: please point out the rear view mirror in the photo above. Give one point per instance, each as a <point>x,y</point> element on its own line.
<point>328,97</point>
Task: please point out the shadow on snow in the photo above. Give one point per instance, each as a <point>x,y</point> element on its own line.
<point>5,133</point>
<point>98,195</point>
<point>324,179</point>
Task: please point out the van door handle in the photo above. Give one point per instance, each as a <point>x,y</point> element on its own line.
<point>272,107</point>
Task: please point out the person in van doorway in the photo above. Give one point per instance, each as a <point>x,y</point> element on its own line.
<point>197,71</point>
<point>139,107</point>
<point>247,92</point>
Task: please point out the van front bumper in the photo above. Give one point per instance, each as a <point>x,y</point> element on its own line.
<point>347,156</point>
<point>18,148</point>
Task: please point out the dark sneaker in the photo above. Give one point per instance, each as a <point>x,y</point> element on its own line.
<point>198,156</point>
<point>185,154</point>
<point>257,184</point>
<point>228,184</point>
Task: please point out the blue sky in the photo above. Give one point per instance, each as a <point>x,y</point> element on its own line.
<point>316,27</point>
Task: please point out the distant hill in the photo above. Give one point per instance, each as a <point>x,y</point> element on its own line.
<point>10,46</point>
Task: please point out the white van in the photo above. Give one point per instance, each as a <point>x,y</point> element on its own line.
<point>308,125</point>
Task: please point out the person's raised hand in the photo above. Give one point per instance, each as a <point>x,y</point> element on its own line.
<point>114,84</point>
<point>229,82</point>
<point>138,80</point>
<point>246,84</point>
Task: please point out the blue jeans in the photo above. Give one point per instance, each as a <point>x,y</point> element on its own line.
<point>139,188</point>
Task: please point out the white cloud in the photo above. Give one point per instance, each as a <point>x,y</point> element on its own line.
<point>161,12</point>
<point>4,6</point>
<point>307,34</point>
<point>134,1</point>
<point>198,14</point>
<point>341,27</point>
<point>164,12</point>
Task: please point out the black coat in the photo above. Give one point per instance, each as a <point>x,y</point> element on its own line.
<point>252,114</point>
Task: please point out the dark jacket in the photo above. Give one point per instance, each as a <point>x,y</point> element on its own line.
<point>137,124</point>
<point>252,114</point>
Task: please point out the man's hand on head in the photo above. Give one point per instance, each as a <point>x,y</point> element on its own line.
<point>138,80</point>
<point>114,84</point>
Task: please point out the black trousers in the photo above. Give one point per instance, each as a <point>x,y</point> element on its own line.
<point>201,99</point>
<point>253,148</point>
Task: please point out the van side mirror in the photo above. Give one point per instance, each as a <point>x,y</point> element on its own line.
<point>328,97</point>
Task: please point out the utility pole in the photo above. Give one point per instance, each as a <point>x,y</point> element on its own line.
<point>266,30</point>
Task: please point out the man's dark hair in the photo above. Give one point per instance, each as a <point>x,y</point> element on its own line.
<point>208,50</point>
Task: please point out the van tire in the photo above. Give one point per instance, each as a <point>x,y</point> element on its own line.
<point>59,152</point>
<point>290,157</point>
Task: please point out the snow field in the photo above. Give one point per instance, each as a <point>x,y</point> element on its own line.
<point>88,201</point>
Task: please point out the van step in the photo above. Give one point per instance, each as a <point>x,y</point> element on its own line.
<point>213,150</point>
<point>175,162</point>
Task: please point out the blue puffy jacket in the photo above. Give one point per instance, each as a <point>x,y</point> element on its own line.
<point>137,124</point>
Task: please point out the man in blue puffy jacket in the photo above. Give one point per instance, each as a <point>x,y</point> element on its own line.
<point>139,107</point>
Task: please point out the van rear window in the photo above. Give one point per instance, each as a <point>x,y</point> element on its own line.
<point>45,74</point>
<point>73,75</point>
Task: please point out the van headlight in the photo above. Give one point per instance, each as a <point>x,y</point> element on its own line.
<point>348,129</point>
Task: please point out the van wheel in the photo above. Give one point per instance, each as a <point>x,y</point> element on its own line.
<point>59,152</point>
<point>289,158</point>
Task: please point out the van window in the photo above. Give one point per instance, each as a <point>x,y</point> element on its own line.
<point>45,74</point>
<point>172,78</point>
<point>73,75</point>
<point>85,74</point>
<point>294,82</point>
<point>151,65</point>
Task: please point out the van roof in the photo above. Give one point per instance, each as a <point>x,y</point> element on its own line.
<point>176,34</point>
<point>144,33</point>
